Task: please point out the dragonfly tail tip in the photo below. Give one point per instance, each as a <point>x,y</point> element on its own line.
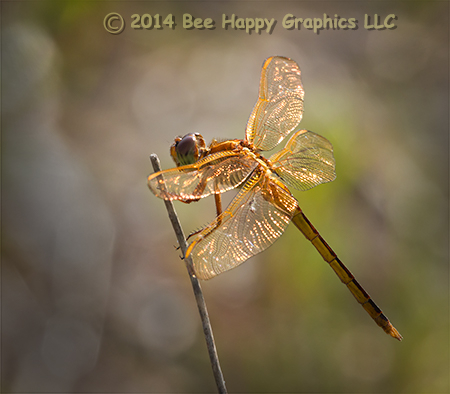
<point>395,334</point>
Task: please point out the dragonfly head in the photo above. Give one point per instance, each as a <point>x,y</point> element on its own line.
<point>188,149</point>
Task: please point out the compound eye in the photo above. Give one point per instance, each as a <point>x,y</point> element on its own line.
<point>187,146</point>
<point>186,150</point>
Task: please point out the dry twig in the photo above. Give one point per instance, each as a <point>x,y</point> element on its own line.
<point>207,330</point>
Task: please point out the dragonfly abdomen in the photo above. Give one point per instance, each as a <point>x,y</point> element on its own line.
<point>344,274</point>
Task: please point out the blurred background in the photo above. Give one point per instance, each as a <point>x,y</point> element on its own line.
<point>95,297</point>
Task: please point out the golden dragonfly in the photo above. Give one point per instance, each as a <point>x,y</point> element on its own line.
<point>264,206</point>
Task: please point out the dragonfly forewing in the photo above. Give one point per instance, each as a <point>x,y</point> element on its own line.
<point>279,108</point>
<point>216,173</point>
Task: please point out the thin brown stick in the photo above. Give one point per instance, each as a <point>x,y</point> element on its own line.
<point>207,330</point>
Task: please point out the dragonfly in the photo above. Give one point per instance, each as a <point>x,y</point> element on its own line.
<point>263,207</point>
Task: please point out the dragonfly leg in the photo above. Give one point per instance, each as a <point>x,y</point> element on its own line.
<point>344,274</point>
<point>218,201</point>
<point>194,233</point>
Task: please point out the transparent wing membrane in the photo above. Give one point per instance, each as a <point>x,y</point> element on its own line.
<point>216,173</point>
<point>255,219</point>
<point>306,161</point>
<point>279,108</point>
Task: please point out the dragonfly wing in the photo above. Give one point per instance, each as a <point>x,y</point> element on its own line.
<point>306,161</point>
<point>254,220</point>
<point>215,173</point>
<point>279,108</point>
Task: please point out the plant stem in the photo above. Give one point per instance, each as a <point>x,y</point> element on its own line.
<point>207,330</point>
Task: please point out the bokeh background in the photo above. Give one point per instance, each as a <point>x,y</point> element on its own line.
<point>94,295</point>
